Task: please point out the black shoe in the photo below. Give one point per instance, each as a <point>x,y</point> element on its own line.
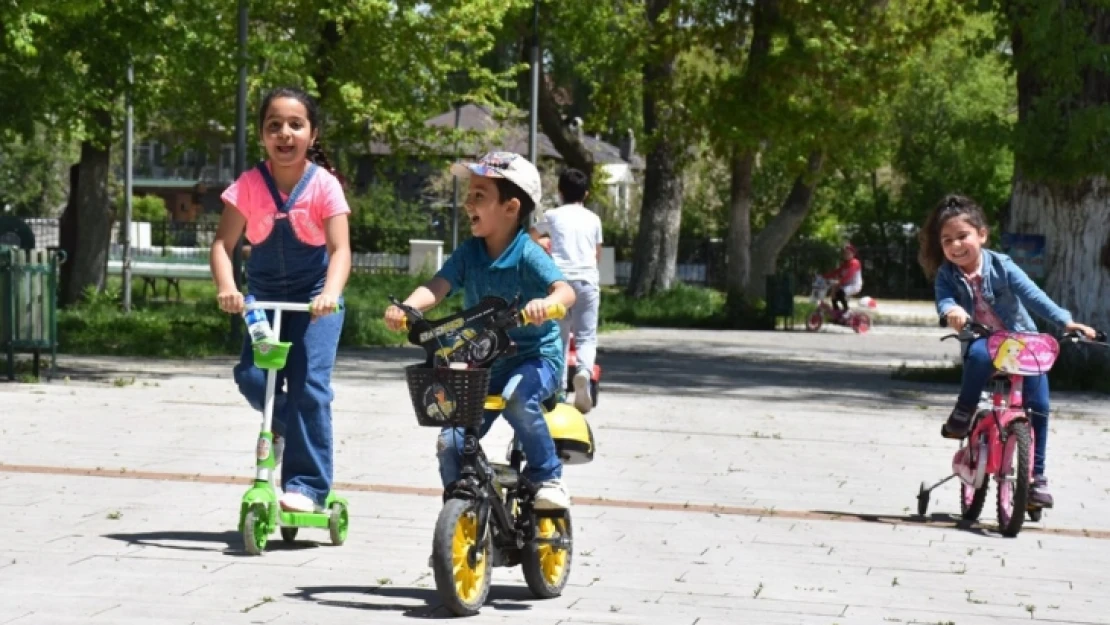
<point>1038,492</point>
<point>958,424</point>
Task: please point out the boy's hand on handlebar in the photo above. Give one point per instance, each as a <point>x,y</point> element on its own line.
<point>395,318</point>
<point>1086,331</point>
<point>957,318</point>
<point>538,311</point>
<point>231,301</point>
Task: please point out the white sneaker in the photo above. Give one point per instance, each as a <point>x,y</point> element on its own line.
<point>582,399</point>
<point>298,502</point>
<point>552,495</point>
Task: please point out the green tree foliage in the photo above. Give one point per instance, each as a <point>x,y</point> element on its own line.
<point>34,178</point>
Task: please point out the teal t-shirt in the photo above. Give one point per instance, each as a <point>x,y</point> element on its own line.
<point>523,270</point>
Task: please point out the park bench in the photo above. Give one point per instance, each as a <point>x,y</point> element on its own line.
<point>172,265</point>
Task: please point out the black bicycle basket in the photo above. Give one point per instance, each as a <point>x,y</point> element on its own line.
<point>445,397</point>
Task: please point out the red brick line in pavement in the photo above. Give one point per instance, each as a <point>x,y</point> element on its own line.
<point>936,521</point>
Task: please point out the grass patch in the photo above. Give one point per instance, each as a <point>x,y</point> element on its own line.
<point>194,327</point>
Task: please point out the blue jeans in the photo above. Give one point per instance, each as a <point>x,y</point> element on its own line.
<point>524,390</point>
<point>978,369</point>
<point>302,404</point>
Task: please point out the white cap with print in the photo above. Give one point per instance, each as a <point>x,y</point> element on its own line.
<point>508,165</point>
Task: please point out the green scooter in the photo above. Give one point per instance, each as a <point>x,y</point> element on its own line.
<point>260,513</point>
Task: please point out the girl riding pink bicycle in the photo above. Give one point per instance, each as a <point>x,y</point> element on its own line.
<point>977,284</point>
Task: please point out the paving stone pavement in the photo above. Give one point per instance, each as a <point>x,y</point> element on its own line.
<point>740,478</point>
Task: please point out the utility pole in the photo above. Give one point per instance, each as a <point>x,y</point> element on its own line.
<point>128,166</point>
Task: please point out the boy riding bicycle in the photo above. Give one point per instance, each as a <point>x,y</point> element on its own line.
<point>502,260</point>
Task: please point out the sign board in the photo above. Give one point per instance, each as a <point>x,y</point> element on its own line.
<point>1027,250</point>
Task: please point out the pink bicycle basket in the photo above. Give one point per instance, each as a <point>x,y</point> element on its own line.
<point>1022,353</point>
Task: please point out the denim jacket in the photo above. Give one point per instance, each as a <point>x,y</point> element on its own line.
<point>1006,288</point>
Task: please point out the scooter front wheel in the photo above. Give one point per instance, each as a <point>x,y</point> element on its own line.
<point>462,568</point>
<point>256,529</point>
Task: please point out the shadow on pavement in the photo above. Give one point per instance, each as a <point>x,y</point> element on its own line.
<point>509,598</point>
<point>936,520</point>
<point>164,540</point>
<point>231,542</point>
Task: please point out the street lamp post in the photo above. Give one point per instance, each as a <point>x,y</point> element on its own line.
<point>455,185</point>
<point>240,146</point>
<point>128,157</point>
<point>533,113</point>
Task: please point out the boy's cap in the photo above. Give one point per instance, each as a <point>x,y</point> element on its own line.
<point>508,165</point>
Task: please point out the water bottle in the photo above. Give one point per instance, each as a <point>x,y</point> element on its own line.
<point>257,324</point>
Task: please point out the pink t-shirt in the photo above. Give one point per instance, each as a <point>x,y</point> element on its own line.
<point>983,312</point>
<point>321,199</point>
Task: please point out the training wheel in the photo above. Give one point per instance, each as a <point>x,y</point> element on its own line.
<point>922,500</point>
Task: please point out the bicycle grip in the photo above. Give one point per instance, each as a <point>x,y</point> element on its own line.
<point>554,311</point>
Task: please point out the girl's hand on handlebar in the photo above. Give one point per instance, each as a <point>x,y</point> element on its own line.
<point>231,301</point>
<point>1086,331</point>
<point>395,318</point>
<point>323,304</point>
<point>957,318</point>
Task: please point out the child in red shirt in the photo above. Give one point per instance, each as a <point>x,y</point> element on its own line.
<point>849,277</point>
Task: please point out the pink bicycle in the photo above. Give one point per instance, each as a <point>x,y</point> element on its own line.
<point>857,320</point>
<point>1000,443</point>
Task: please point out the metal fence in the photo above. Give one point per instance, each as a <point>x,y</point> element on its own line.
<point>890,269</point>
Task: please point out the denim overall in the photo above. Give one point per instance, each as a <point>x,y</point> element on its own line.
<point>282,268</point>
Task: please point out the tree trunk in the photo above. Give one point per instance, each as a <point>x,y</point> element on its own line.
<point>778,232</point>
<point>655,256</point>
<point>90,220</point>
<point>765,16</point>
<point>1075,221</point>
<point>551,120</point>
<point>742,166</point>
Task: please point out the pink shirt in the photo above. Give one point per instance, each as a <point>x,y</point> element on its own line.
<point>321,199</point>
<point>983,312</point>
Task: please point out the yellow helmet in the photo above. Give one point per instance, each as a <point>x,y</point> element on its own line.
<point>574,440</point>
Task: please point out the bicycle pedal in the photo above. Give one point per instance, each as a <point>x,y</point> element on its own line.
<point>950,436</point>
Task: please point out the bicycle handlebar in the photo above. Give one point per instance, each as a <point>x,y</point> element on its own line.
<point>282,306</point>
<point>973,330</point>
<point>554,311</point>
<point>286,306</point>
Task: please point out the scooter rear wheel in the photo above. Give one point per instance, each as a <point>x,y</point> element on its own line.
<point>337,523</point>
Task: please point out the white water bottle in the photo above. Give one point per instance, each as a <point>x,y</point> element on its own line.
<point>257,324</point>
